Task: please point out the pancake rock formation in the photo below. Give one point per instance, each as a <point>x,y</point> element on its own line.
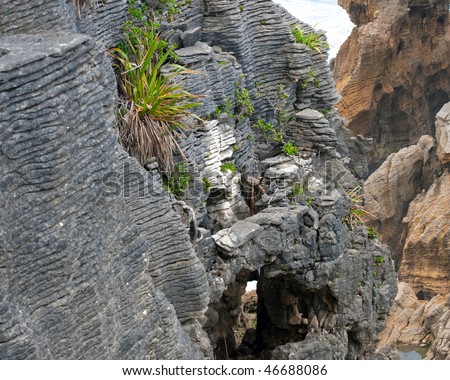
<point>393,71</point>
<point>99,261</point>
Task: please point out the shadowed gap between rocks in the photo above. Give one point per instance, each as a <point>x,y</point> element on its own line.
<point>251,324</point>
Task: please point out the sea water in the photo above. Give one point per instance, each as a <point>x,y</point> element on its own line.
<point>326,15</point>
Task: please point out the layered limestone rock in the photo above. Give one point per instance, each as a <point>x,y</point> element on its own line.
<point>314,289</point>
<point>89,268</point>
<point>95,260</point>
<point>419,323</point>
<point>407,201</point>
<point>443,134</point>
<point>393,71</point>
<point>391,188</point>
<point>223,39</point>
<point>426,252</point>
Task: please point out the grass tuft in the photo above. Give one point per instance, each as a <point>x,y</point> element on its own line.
<point>290,149</point>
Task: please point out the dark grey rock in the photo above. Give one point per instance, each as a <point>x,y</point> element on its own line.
<point>191,37</point>
<point>230,239</point>
<point>317,266</point>
<point>76,221</point>
<point>319,347</point>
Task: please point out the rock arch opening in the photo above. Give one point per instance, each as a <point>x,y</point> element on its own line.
<point>256,315</point>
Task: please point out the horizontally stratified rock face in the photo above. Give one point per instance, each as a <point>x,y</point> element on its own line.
<point>412,186</point>
<point>94,261</point>
<point>390,189</point>
<point>258,34</point>
<point>415,322</point>
<point>393,72</point>
<point>426,253</point>
<point>88,260</point>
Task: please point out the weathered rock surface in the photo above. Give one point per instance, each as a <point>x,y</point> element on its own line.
<point>254,39</point>
<point>426,252</point>
<point>321,347</point>
<point>262,42</point>
<point>88,260</point>
<point>311,129</point>
<point>393,71</point>
<point>419,323</point>
<point>94,260</point>
<point>407,201</point>
<point>390,189</point>
<point>304,270</point>
<point>443,134</point>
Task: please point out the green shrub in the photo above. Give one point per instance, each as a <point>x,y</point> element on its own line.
<point>297,194</point>
<point>372,233</point>
<point>325,111</point>
<point>206,184</point>
<point>311,40</point>
<point>309,201</point>
<point>244,103</point>
<point>229,166</point>
<point>168,9</point>
<point>304,84</point>
<point>310,77</point>
<point>156,104</point>
<point>298,189</point>
<point>316,82</point>
<point>281,99</point>
<point>378,260</point>
<point>228,107</point>
<point>268,131</point>
<point>290,149</point>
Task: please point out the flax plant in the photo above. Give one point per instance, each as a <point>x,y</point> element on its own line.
<point>156,104</point>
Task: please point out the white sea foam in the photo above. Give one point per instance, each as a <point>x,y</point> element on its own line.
<point>325,15</point>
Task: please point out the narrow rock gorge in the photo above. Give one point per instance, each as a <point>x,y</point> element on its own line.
<point>99,260</point>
